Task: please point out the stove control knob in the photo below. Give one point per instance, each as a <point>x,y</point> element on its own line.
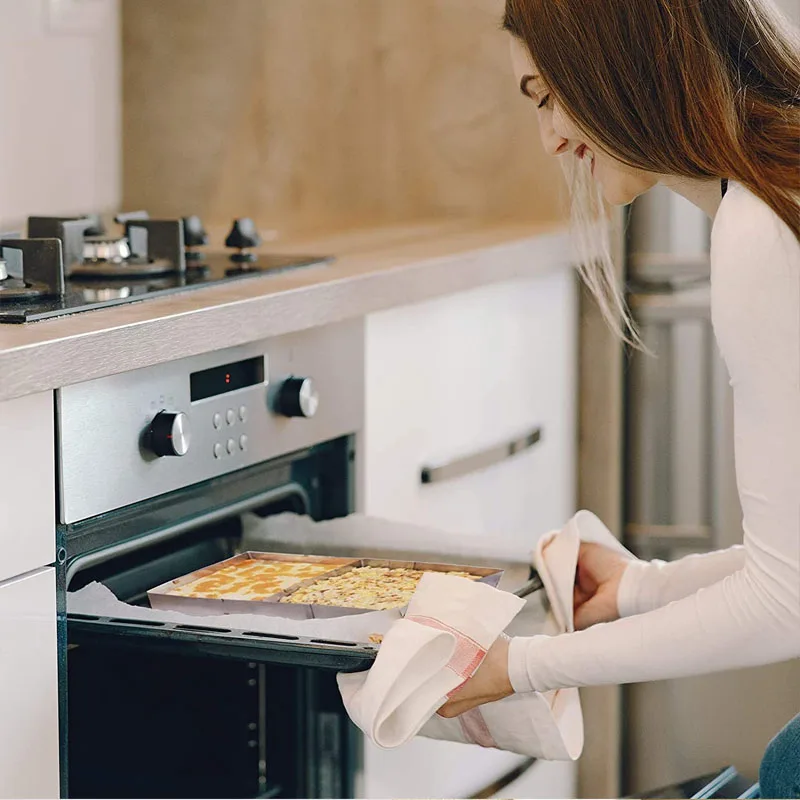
<point>169,434</point>
<point>243,235</point>
<point>297,397</point>
<point>194,234</point>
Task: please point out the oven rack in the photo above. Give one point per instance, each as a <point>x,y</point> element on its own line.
<point>228,643</point>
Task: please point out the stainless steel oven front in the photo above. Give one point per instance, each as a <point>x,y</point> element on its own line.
<point>155,468</point>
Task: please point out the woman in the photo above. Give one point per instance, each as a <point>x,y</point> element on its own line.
<point>703,97</point>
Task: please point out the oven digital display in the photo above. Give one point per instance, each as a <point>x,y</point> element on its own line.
<point>227,378</point>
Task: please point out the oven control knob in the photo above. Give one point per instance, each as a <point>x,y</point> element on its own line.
<point>297,397</point>
<point>169,434</point>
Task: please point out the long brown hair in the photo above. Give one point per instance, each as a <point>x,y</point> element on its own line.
<point>692,88</point>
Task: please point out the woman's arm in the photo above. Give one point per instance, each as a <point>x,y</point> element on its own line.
<point>647,585</point>
<point>745,620</point>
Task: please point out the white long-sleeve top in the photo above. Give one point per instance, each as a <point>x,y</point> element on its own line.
<point>731,608</point>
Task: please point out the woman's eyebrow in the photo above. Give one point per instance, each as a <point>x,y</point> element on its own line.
<point>523,84</point>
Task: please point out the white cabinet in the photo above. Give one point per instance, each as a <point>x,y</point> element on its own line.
<point>28,687</point>
<point>545,779</point>
<point>428,768</point>
<point>28,649</point>
<point>458,375</point>
<point>447,379</point>
<point>27,484</point>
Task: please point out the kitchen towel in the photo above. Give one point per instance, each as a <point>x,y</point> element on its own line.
<point>450,624</point>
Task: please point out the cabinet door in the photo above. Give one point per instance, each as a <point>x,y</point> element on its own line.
<point>29,687</point>
<point>433,769</point>
<point>467,374</point>
<point>544,779</point>
<point>27,484</point>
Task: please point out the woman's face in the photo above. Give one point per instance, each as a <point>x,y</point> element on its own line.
<point>620,183</point>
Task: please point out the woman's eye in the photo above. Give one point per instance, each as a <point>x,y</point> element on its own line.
<point>544,101</point>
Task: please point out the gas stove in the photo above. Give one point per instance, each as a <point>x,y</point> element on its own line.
<point>72,264</point>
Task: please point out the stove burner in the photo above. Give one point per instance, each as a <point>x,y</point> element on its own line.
<point>130,268</point>
<point>98,248</point>
<point>18,289</point>
<point>36,269</point>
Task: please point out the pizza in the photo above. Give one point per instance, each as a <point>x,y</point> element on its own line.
<point>250,579</point>
<point>374,588</point>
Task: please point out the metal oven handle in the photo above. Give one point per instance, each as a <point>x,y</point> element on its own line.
<point>96,557</point>
<point>480,460</point>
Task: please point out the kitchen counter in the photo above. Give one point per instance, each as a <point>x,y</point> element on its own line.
<point>375,269</point>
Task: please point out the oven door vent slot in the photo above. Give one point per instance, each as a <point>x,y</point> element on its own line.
<point>151,623</point>
<point>195,640</point>
<point>282,636</point>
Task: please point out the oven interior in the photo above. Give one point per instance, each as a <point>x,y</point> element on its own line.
<point>170,710</point>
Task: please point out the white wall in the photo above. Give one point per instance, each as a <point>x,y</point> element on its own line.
<point>59,108</point>
<point>791,8</point>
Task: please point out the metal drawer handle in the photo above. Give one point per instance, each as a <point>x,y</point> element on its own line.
<point>507,779</point>
<point>477,461</point>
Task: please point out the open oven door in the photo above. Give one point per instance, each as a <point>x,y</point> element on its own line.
<point>158,709</point>
<point>138,547</point>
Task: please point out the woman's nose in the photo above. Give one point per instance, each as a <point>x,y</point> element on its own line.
<point>554,144</point>
<point>558,132</point>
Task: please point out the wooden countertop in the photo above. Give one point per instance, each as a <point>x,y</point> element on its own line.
<point>375,269</point>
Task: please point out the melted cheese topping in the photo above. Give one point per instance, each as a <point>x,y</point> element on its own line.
<point>251,579</point>
<point>376,588</point>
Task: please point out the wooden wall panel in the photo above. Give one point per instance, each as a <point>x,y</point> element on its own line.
<point>328,113</point>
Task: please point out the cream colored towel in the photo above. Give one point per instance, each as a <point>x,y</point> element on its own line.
<point>449,626</point>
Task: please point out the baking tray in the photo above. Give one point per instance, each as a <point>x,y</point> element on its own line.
<point>486,575</point>
<point>160,597</point>
<point>272,606</point>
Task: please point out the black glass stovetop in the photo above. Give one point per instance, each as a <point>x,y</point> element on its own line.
<point>88,293</point>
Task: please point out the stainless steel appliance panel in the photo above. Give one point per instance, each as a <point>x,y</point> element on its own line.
<point>681,492</point>
<point>104,460</point>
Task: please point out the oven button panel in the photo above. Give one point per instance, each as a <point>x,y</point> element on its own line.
<point>229,442</point>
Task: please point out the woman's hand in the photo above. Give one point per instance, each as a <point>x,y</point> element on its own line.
<point>597,580</point>
<point>489,683</point>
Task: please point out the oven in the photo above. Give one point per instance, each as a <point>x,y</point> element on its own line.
<point>156,468</point>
